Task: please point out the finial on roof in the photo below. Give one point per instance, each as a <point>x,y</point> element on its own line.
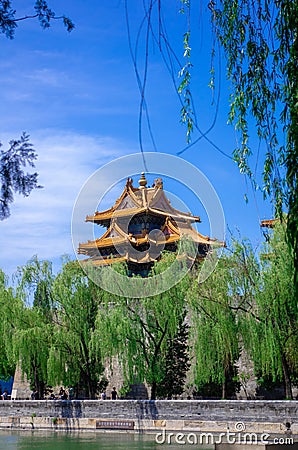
<point>158,183</point>
<point>129,182</point>
<point>142,180</point>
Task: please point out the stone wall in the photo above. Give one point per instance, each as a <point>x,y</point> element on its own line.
<point>21,385</point>
<point>214,416</point>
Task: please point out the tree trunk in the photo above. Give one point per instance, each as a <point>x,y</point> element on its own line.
<point>38,384</point>
<point>223,389</point>
<point>153,391</point>
<point>91,389</point>
<point>224,382</point>
<point>287,378</point>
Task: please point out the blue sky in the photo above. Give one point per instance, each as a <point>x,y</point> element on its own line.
<point>77,96</point>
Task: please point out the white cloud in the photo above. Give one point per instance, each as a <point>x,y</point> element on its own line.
<point>41,223</point>
<point>49,77</point>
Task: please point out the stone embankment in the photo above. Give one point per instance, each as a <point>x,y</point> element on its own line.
<point>190,416</point>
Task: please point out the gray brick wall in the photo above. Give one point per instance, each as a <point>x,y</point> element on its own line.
<point>212,410</point>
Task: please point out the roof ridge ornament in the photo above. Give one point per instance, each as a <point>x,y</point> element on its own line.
<point>158,183</point>
<point>142,181</point>
<point>129,182</point>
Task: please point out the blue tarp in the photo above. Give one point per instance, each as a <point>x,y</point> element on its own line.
<point>6,385</point>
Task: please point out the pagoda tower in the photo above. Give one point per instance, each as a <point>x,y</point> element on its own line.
<point>139,226</point>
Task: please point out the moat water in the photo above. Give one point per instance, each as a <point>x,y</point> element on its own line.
<point>28,440</point>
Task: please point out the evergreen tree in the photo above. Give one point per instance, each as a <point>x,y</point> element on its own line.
<point>176,364</point>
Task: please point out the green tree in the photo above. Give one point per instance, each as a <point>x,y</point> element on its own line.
<point>216,308</point>
<point>139,330</point>
<point>32,334</point>
<point>9,310</point>
<point>31,342</point>
<point>51,334</point>
<point>214,329</point>
<point>73,360</point>
<point>271,333</point>
<point>249,302</point>
<point>35,279</point>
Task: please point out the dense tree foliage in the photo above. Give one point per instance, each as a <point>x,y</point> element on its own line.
<point>9,308</point>
<point>73,360</point>
<point>214,324</point>
<point>248,303</point>
<point>65,329</point>
<point>33,335</point>
<point>140,331</point>
<point>271,333</point>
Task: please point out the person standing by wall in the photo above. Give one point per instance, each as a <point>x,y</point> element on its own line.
<point>114,394</point>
